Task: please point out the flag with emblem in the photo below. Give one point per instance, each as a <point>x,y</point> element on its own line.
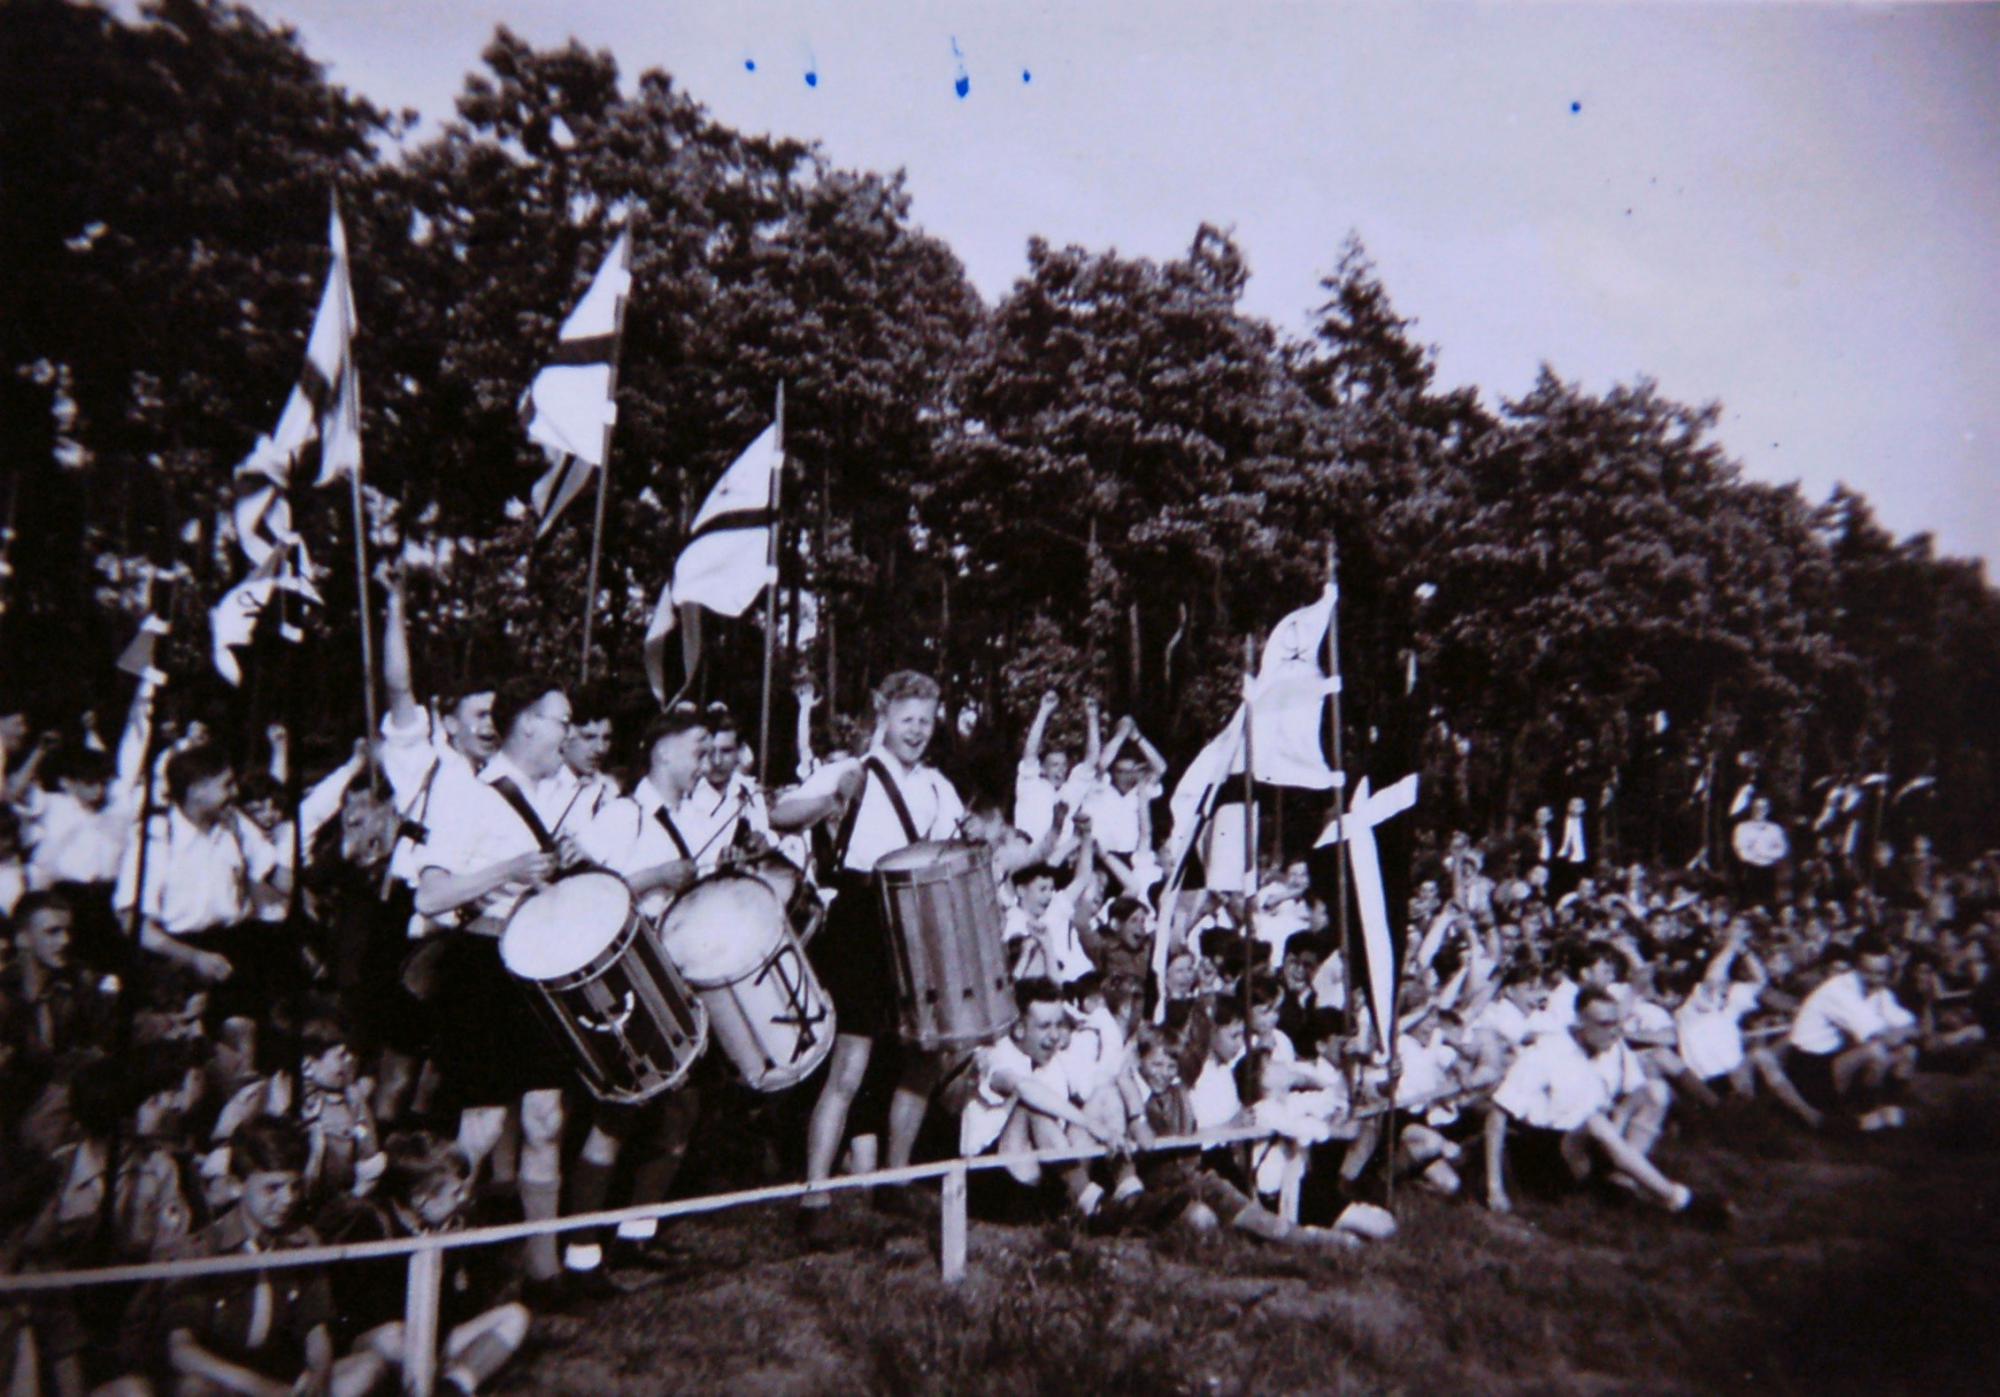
<point>571,406</point>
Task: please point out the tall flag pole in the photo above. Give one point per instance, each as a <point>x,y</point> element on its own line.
<point>771,592</point>
<point>572,406</point>
<point>1249,817</point>
<point>1339,777</point>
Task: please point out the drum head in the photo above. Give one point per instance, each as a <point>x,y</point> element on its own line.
<point>722,928</point>
<point>565,926</point>
<point>923,854</point>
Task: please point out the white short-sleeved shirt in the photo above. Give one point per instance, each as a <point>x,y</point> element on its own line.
<point>1558,1011</point>
<point>934,806</point>
<point>1840,1014</point>
<point>627,837</point>
<point>1115,818</point>
<point>586,795</point>
<point>1504,1017</point>
<point>1709,1029</point>
<point>1621,1068</point>
<point>1036,797</point>
<point>419,763</point>
<point>70,843</point>
<point>1095,1055</point>
<point>196,880</point>
<point>1553,1085</point>
<point>986,1114</point>
<point>1054,948</point>
<point>472,827</point>
<point>1214,1097</point>
<point>710,817</point>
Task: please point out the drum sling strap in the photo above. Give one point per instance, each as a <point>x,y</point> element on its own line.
<point>511,793</point>
<point>871,767</point>
<point>673,831</point>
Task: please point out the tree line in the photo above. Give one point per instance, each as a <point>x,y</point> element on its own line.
<point>1100,483</point>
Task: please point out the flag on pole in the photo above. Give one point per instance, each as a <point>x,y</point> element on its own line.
<point>138,659</point>
<point>325,403</point>
<point>1378,952</point>
<point>726,563</point>
<point>1287,706</point>
<point>570,407</point>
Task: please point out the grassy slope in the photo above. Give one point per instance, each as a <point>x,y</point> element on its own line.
<point>1866,1264</point>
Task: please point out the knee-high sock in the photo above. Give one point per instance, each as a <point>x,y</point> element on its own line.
<point>585,1189</point>
<point>540,1200</point>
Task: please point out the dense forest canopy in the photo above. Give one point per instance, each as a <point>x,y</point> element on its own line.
<point>1102,482</point>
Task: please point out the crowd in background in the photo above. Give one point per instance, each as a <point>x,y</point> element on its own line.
<point>212,1039</point>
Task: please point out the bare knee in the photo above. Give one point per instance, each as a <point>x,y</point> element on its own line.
<point>541,1118</point>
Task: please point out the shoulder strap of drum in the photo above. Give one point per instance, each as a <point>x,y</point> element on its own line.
<point>511,793</point>
<point>872,766</point>
<point>673,830</point>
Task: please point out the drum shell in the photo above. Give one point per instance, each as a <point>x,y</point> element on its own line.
<point>772,1018</point>
<point>630,1025</point>
<point>942,911</point>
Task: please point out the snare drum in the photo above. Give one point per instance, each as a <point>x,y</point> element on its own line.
<point>603,986</point>
<point>953,989</point>
<point>729,938</point>
<point>803,909</point>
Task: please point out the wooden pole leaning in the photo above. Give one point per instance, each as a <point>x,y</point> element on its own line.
<point>771,596</point>
<point>603,487</point>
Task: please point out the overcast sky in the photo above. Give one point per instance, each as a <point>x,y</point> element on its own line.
<point>1789,208</point>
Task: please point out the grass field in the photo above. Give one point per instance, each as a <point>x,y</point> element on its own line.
<point>1860,1264</point>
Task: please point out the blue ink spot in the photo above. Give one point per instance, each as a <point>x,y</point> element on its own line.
<point>1575,107</point>
<point>749,65</point>
<point>812,78</point>
<point>961,86</point>
<point>1027,76</point>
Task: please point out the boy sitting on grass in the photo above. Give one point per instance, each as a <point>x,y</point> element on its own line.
<point>260,1333</point>
<point>1553,1113</point>
<point>1021,1101</point>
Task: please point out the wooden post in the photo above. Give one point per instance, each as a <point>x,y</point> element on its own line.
<point>951,1245</point>
<point>420,1321</point>
<point>603,482</point>
<point>1249,822</point>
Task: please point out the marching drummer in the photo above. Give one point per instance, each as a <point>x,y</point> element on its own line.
<point>491,841</point>
<point>884,801</point>
<point>725,808</point>
<point>639,837</point>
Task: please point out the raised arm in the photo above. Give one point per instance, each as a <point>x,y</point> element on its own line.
<point>808,698</point>
<point>396,654</point>
<point>1093,737</point>
<point>1031,750</point>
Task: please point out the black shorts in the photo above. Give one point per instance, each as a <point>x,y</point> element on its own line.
<point>489,1041</point>
<point>1535,1159</point>
<point>851,957</point>
<point>1812,1074</point>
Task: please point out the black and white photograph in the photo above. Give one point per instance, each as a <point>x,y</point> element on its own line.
<point>923,696</point>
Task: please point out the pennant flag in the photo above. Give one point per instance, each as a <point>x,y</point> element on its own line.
<point>138,658</point>
<point>570,407</point>
<point>726,562</point>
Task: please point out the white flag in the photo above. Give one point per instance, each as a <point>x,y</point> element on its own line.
<point>726,562</point>
<point>325,403</point>
<point>572,404</point>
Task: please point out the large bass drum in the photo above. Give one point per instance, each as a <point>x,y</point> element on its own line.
<point>604,987</point>
<point>730,938</point>
<point>942,911</point>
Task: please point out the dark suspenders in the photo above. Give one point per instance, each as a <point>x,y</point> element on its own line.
<point>673,830</point>
<point>511,793</point>
<point>872,766</point>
